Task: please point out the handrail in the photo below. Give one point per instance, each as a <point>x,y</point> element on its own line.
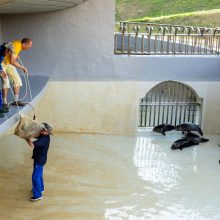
<point>129,26</point>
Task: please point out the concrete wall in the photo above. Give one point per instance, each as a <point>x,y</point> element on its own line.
<point>113,107</point>
<point>160,68</point>
<point>73,44</point>
<point>102,107</point>
<point>92,90</point>
<point>77,44</point>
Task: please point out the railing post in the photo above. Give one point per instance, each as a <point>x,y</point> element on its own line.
<point>136,30</point>
<point>123,28</point>
<point>149,29</point>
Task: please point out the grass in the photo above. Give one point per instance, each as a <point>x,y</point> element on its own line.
<point>208,18</point>
<point>180,12</point>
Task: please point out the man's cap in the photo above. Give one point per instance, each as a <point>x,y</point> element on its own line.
<point>9,46</point>
<point>47,127</point>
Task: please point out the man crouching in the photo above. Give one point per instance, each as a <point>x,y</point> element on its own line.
<point>41,146</point>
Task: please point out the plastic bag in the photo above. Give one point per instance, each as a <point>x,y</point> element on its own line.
<point>27,128</point>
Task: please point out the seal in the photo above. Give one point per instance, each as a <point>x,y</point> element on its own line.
<point>187,126</point>
<point>183,143</point>
<point>195,138</point>
<point>190,139</point>
<point>162,128</point>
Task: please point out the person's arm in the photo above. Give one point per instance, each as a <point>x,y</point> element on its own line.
<point>15,63</point>
<point>3,74</point>
<point>30,143</point>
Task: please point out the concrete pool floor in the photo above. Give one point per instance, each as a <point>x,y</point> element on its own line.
<point>112,177</point>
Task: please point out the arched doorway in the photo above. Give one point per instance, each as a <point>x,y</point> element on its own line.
<point>170,102</point>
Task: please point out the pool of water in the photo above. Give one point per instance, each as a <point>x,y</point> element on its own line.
<point>112,177</point>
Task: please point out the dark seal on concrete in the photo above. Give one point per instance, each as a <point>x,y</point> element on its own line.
<point>163,128</point>
<point>187,126</point>
<point>195,138</point>
<point>183,143</point>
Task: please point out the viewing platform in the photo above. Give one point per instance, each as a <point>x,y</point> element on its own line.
<point>38,86</point>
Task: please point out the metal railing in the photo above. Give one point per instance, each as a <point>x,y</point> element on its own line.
<point>148,38</point>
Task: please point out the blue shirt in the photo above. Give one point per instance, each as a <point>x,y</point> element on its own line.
<point>2,55</point>
<point>41,146</point>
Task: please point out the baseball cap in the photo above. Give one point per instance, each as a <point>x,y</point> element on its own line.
<point>47,127</point>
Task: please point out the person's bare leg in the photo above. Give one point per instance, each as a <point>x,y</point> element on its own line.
<point>16,92</point>
<point>4,99</point>
<point>4,95</point>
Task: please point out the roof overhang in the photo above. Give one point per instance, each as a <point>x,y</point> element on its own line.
<point>35,6</point>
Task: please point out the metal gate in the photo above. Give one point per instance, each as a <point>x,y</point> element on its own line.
<point>170,102</point>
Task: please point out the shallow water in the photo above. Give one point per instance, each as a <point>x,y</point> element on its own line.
<point>112,177</point>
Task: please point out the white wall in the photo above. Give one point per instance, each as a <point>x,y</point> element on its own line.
<point>100,107</point>
<point>113,107</point>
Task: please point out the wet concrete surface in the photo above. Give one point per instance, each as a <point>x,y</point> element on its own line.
<point>112,177</point>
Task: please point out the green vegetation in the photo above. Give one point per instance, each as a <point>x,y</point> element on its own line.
<point>184,12</point>
<point>209,18</point>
